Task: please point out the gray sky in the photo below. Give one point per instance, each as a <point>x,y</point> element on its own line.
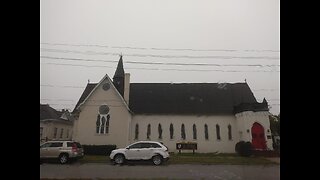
<point>227,39</point>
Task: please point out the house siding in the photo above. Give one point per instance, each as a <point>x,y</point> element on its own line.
<point>48,130</point>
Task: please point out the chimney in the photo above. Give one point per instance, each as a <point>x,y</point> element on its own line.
<point>126,87</point>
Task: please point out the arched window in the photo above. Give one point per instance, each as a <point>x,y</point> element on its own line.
<point>218,132</point>
<point>194,131</point>
<point>183,132</point>
<point>229,132</point>
<point>206,134</point>
<point>171,131</point>
<point>107,124</point>
<point>98,124</point>
<point>136,134</point>
<point>148,131</point>
<point>160,131</point>
<point>103,122</point>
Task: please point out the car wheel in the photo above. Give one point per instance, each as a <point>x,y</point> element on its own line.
<point>63,158</point>
<point>119,159</point>
<point>157,160</point>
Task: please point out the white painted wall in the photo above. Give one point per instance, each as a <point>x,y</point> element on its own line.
<point>245,121</point>
<point>85,125</point>
<point>126,87</point>
<point>212,145</point>
<point>122,125</point>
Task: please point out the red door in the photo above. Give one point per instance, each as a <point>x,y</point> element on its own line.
<point>258,137</point>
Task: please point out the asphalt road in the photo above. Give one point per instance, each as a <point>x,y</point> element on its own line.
<point>142,171</point>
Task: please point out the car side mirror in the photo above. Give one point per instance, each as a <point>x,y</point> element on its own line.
<point>127,148</point>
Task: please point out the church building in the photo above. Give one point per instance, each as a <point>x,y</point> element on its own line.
<point>215,116</point>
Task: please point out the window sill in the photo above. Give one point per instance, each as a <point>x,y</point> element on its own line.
<point>101,134</point>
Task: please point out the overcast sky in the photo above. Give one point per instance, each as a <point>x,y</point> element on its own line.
<point>161,41</point>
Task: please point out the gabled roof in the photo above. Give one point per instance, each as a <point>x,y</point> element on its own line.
<point>90,88</point>
<point>47,112</point>
<point>86,92</point>
<point>255,107</point>
<point>188,98</point>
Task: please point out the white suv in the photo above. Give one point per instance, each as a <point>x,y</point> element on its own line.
<point>141,150</point>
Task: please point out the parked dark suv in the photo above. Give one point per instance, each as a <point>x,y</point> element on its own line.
<point>61,150</point>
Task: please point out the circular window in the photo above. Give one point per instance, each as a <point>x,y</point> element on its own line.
<point>106,86</point>
<point>104,109</point>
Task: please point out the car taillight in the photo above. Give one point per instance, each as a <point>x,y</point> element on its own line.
<point>74,148</point>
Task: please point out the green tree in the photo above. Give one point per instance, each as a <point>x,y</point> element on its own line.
<point>275,124</point>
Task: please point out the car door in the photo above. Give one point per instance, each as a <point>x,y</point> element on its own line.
<point>44,150</point>
<point>55,149</point>
<point>133,151</point>
<point>146,151</point>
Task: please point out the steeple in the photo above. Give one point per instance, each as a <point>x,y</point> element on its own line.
<point>119,72</point>
<point>118,78</point>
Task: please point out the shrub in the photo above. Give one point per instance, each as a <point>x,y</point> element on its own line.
<point>98,149</point>
<point>247,149</point>
<point>244,148</point>
<point>238,146</point>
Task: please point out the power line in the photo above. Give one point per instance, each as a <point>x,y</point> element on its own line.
<point>109,100</point>
<point>161,49</point>
<point>160,63</point>
<point>57,99</point>
<point>166,69</point>
<point>48,85</point>
<point>161,56</point>
<point>266,89</point>
<point>84,105</point>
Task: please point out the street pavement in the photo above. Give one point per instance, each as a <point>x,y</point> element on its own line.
<point>147,171</point>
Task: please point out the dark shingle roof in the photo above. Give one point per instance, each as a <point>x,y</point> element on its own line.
<point>188,98</point>
<point>85,93</point>
<point>185,98</point>
<point>47,112</point>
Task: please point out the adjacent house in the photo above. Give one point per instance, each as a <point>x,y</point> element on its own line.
<point>55,125</point>
<point>214,115</point>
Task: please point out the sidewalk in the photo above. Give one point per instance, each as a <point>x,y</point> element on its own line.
<point>274,159</point>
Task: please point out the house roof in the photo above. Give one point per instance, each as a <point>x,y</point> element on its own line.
<point>86,92</point>
<point>185,98</point>
<point>188,98</point>
<point>47,112</point>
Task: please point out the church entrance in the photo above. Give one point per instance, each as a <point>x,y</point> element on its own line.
<point>258,137</point>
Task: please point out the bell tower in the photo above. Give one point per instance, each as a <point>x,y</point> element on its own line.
<point>118,78</point>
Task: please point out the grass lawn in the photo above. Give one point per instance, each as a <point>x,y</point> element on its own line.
<point>197,158</point>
